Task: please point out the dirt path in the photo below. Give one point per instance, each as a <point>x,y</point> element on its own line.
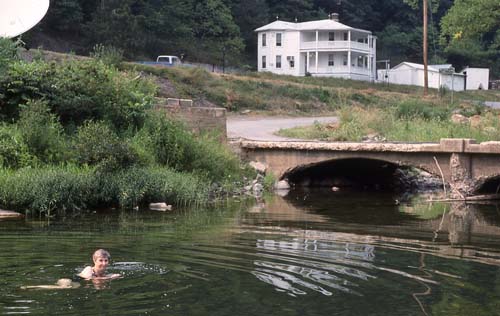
<point>262,128</point>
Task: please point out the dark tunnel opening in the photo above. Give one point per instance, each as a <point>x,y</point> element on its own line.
<point>354,174</point>
<point>490,186</point>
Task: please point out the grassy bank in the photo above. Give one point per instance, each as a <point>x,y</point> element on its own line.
<point>81,134</point>
<point>51,190</point>
<point>395,123</point>
<point>288,95</point>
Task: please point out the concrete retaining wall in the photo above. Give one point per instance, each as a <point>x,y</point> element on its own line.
<point>198,119</point>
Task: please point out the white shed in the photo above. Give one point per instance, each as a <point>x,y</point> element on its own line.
<point>476,78</point>
<point>413,74</point>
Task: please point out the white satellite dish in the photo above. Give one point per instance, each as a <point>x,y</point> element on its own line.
<point>18,16</point>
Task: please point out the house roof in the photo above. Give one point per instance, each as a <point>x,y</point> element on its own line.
<point>327,24</point>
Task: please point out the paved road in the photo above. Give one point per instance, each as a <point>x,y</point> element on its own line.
<point>493,104</point>
<point>262,128</point>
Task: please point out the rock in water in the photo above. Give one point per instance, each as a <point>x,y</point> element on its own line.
<point>160,207</point>
<point>282,185</point>
<point>10,214</point>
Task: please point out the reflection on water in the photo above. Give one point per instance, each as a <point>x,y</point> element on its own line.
<point>310,253</point>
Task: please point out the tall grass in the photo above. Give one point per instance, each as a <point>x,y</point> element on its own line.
<point>56,189</point>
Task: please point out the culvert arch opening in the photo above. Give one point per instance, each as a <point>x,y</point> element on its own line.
<point>355,174</point>
<point>489,186</point>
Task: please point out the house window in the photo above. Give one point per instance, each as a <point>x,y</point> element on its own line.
<point>330,60</point>
<point>360,61</point>
<point>263,61</point>
<point>264,39</point>
<point>345,60</point>
<point>346,36</point>
<point>291,61</point>
<point>331,36</point>
<point>278,39</point>
<point>278,61</point>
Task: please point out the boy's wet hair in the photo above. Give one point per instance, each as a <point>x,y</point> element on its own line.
<point>101,253</point>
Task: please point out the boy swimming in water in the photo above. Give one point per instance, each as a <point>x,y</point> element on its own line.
<point>101,259</point>
<point>97,274</point>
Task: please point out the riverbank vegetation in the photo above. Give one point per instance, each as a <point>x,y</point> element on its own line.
<point>81,134</point>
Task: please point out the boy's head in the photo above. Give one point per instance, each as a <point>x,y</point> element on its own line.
<point>101,253</point>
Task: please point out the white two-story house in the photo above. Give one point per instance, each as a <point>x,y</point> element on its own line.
<point>320,48</point>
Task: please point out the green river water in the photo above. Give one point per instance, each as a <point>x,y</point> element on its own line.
<point>310,253</point>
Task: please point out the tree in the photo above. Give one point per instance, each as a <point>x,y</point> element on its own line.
<point>64,16</point>
<point>471,33</point>
<point>249,15</point>
<point>289,10</point>
<point>218,36</point>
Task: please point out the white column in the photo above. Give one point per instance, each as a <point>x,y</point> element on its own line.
<point>317,43</point>
<point>374,58</point>
<point>349,62</point>
<point>307,62</point>
<point>349,53</point>
<point>317,61</point>
<point>369,62</point>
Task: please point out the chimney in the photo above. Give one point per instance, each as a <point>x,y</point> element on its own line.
<point>334,17</point>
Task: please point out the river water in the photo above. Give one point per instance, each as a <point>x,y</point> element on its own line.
<point>310,253</point>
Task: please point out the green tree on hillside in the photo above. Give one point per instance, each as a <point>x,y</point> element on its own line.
<point>250,14</point>
<point>217,35</point>
<point>471,33</point>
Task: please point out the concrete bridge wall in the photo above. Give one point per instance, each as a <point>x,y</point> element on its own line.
<point>461,162</point>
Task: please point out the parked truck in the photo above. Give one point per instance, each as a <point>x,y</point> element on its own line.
<point>163,60</point>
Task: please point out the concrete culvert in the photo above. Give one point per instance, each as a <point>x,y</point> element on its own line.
<point>362,174</point>
<point>488,186</point>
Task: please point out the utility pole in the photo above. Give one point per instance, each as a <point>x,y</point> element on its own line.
<point>426,78</point>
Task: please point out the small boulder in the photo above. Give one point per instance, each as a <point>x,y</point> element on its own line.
<point>282,185</point>
<point>258,166</point>
<point>374,137</point>
<point>490,130</point>
<point>459,119</point>
<point>10,214</point>
<point>160,207</point>
<point>257,189</point>
<point>282,193</point>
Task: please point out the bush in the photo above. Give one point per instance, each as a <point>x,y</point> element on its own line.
<point>165,140</point>
<point>413,108</point>
<point>172,145</point>
<point>42,132</point>
<point>78,91</point>
<point>138,186</point>
<point>8,52</point>
<point>97,144</point>
<point>14,152</point>
<point>109,55</point>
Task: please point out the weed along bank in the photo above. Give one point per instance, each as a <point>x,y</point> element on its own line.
<point>80,135</point>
